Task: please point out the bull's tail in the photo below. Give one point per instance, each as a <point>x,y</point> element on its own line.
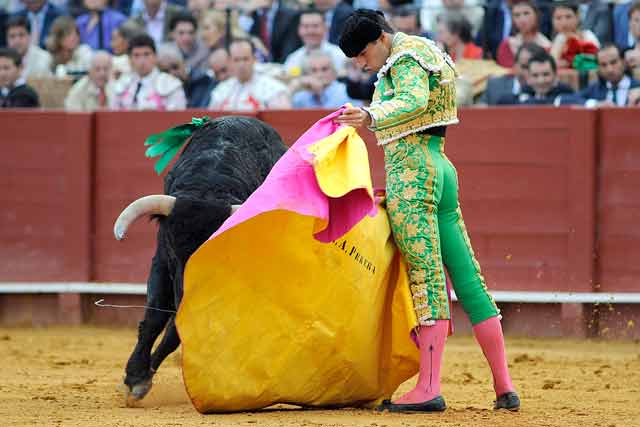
<point>155,205</point>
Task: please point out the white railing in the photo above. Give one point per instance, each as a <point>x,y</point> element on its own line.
<point>499,296</point>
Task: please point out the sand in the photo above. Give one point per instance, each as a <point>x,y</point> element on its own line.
<point>72,376</point>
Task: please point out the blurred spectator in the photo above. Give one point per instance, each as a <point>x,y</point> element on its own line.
<point>199,7</point>
<point>246,90</point>
<point>613,86</point>
<point>525,19</point>
<point>454,32</point>
<point>70,58</point>
<point>335,15</point>
<point>155,18</point>
<point>596,17</point>
<point>147,88</point>
<point>97,25</point>
<point>3,23</point>
<point>406,19</point>
<point>135,7</point>
<point>621,30</point>
<point>360,84</point>
<point>14,92</point>
<point>543,87</point>
<point>94,91</point>
<point>183,27</point>
<point>213,32</point>
<point>41,15</point>
<point>220,64</point>
<point>120,38</point>
<point>276,26</point>
<point>213,24</point>
<point>496,26</point>
<point>36,62</point>
<point>505,90</point>
<point>632,54</point>
<point>570,40</point>
<point>198,88</point>
<point>320,89</point>
<point>312,30</point>
<point>432,10</point>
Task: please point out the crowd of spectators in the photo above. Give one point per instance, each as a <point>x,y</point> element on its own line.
<point>249,55</point>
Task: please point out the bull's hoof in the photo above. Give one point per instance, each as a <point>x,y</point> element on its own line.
<point>138,392</point>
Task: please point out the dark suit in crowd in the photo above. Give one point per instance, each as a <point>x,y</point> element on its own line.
<point>283,38</point>
<point>50,15</point>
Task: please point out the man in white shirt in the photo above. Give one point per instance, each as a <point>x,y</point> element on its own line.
<point>147,88</point>
<point>36,62</point>
<point>247,91</point>
<point>312,30</point>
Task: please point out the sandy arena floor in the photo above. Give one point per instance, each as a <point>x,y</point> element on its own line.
<point>71,377</point>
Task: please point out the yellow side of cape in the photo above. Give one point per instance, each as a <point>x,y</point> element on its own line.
<point>271,315</point>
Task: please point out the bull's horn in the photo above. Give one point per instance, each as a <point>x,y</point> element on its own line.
<point>158,204</point>
<point>234,208</point>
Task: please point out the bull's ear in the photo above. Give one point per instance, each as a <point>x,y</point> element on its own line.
<point>234,208</point>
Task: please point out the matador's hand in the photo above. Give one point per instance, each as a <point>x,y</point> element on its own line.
<point>353,116</point>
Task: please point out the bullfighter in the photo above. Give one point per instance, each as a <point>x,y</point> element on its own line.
<point>413,104</point>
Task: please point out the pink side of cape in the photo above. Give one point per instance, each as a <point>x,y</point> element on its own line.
<point>292,185</point>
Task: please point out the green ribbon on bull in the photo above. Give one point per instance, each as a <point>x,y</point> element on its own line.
<point>168,143</point>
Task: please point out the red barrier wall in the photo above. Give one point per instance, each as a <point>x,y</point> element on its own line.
<point>46,196</point>
<point>123,174</point>
<point>618,210</point>
<point>619,201</point>
<point>528,193</point>
<point>527,236</point>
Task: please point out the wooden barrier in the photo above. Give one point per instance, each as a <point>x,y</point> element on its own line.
<point>618,211</point>
<point>46,209</point>
<point>46,195</point>
<point>123,174</point>
<point>528,194</point>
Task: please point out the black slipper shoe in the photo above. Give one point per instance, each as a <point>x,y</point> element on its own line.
<point>437,404</point>
<point>509,400</point>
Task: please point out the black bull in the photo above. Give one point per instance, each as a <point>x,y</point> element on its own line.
<point>225,161</point>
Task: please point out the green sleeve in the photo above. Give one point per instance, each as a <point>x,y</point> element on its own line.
<point>411,94</point>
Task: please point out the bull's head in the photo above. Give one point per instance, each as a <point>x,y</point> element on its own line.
<point>157,204</point>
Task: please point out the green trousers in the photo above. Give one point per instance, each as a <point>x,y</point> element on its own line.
<point>427,225</point>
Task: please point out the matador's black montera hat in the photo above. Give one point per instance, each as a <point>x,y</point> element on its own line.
<point>361,28</point>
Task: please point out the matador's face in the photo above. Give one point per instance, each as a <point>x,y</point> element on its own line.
<point>374,55</point>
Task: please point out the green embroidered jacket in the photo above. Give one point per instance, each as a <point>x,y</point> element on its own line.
<point>415,90</point>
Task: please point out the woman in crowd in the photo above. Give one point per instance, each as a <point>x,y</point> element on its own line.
<point>97,25</point>
<point>570,40</point>
<point>454,32</point>
<point>213,32</point>
<point>70,58</point>
<point>526,18</point>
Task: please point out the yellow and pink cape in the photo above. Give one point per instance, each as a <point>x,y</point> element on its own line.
<point>300,297</point>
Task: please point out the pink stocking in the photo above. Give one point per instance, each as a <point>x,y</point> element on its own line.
<point>489,335</point>
<point>431,341</point>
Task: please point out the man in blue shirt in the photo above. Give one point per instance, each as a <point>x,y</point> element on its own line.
<point>320,89</point>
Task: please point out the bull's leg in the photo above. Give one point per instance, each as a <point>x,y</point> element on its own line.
<point>169,344</point>
<point>159,295</point>
<point>170,340</point>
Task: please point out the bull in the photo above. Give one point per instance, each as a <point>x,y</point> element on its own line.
<point>224,162</point>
